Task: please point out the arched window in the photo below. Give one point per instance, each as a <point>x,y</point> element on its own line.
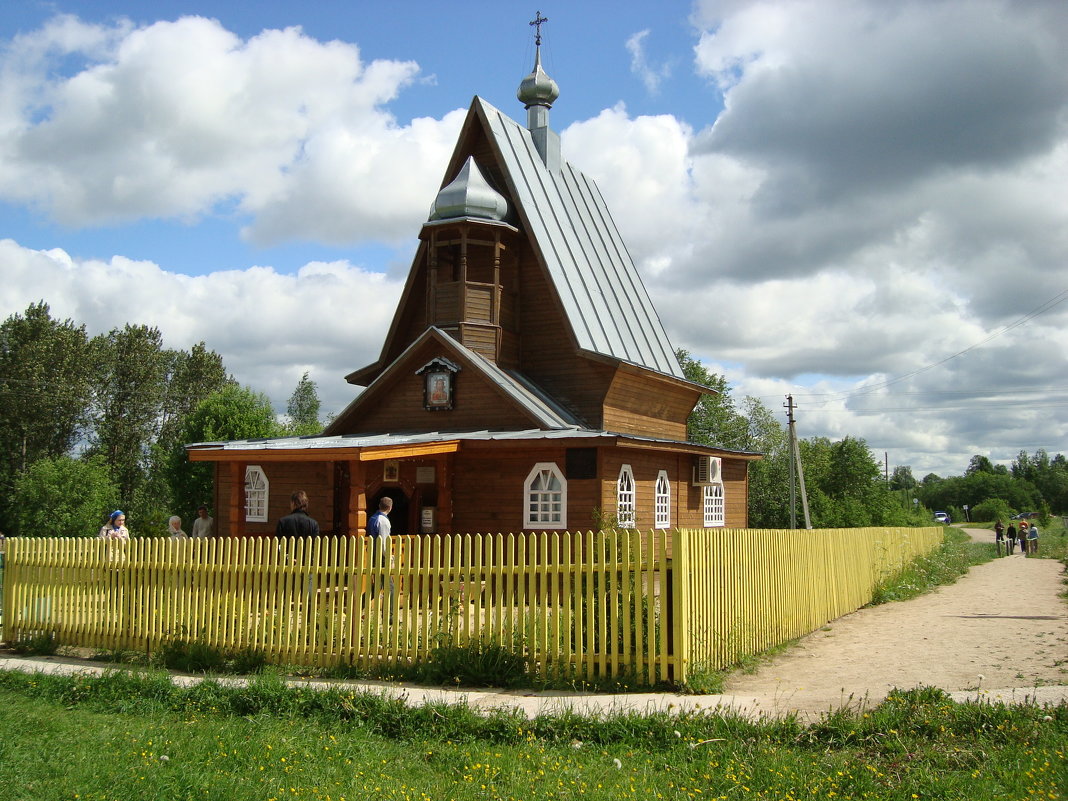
<point>625,497</point>
<point>663,500</point>
<point>545,491</point>
<point>712,497</point>
<point>257,491</point>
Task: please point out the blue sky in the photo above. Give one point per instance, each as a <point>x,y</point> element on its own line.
<point>825,198</point>
<point>485,48</point>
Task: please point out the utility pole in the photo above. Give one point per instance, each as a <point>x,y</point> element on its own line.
<point>796,469</point>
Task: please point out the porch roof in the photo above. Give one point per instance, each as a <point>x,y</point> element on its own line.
<point>373,447</point>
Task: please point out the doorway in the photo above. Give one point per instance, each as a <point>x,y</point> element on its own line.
<point>400,518</point>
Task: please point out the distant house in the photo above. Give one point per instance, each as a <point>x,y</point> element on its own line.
<point>525,384</point>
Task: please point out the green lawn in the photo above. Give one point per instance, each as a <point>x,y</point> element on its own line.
<point>127,738</point>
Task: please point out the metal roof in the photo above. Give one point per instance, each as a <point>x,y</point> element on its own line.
<point>357,441</point>
<point>603,296</point>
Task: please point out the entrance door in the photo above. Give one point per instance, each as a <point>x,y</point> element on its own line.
<point>400,518</point>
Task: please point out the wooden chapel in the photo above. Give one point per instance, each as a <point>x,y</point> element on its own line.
<point>526,382</point>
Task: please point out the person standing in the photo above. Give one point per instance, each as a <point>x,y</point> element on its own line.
<point>204,525</point>
<point>174,529</point>
<point>379,529</point>
<point>115,528</point>
<point>1010,539</point>
<point>1032,538</point>
<point>1022,536</point>
<point>298,523</point>
<point>999,535</point>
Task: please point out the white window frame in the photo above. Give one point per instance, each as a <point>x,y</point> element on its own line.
<point>545,507</point>
<point>712,502</point>
<point>662,504</point>
<point>257,494</point>
<point>625,497</point>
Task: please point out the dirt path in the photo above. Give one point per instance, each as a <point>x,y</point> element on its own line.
<point>1002,627</point>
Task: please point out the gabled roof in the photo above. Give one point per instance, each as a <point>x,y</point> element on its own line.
<point>604,300</point>
<point>541,409</point>
<point>599,287</point>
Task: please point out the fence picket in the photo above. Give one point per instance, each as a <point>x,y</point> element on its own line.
<point>641,607</point>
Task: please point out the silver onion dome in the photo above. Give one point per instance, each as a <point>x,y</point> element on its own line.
<point>469,195</point>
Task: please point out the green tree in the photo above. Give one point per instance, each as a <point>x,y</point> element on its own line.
<point>45,375</point>
<point>190,377</point>
<point>769,477</point>
<point>846,486</point>
<point>232,413</point>
<point>714,420</point>
<point>303,409</point>
<point>990,510</point>
<point>127,398</point>
<point>979,464</point>
<point>64,497</point>
<point>902,478</point>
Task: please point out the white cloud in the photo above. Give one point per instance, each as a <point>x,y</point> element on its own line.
<point>874,198</point>
<point>172,119</point>
<point>268,327</point>
<point>651,76</point>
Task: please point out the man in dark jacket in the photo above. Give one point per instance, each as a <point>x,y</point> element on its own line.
<point>298,523</point>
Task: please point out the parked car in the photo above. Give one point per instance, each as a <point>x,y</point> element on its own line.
<point>943,518</point>
<point>1025,516</point>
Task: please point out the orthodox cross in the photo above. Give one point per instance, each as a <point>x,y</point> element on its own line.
<point>537,23</point>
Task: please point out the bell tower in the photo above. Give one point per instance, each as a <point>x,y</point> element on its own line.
<point>472,267</point>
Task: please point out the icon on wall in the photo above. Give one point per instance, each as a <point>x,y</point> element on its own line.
<point>391,470</point>
<point>438,384</point>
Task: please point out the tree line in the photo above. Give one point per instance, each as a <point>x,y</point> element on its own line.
<point>1036,483</point>
<point>847,486</point>
<point>89,424</point>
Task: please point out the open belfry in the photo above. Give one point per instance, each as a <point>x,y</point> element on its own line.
<point>526,382</point>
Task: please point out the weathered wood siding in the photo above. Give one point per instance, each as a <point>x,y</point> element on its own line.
<point>398,405</point>
<point>315,478</point>
<point>687,503</point>
<point>548,354</point>
<point>488,489</point>
<point>643,405</point>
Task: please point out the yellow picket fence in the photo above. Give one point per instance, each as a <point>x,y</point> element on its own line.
<point>644,607</point>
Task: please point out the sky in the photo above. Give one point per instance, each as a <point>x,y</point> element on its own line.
<point>859,203</point>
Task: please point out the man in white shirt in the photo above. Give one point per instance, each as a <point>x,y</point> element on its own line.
<point>204,525</point>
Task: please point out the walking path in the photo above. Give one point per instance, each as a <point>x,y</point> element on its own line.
<point>998,633</point>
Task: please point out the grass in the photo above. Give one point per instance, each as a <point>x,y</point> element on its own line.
<point>944,565</point>
<point>139,737</point>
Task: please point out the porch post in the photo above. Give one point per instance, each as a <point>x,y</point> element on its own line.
<point>357,498</point>
<point>237,499</point>
<point>445,465</point>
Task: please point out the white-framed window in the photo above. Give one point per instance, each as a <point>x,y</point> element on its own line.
<point>257,491</point>
<point>625,497</point>
<point>712,502</point>
<point>545,491</point>
<point>663,500</point>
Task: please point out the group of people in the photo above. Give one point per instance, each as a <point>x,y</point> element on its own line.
<point>203,526</point>
<point>298,523</point>
<point>1026,535</point>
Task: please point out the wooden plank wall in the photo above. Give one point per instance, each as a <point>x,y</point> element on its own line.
<point>478,404</point>
<point>647,406</point>
<point>315,478</point>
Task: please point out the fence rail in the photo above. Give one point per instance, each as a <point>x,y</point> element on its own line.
<point>576,606</point>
